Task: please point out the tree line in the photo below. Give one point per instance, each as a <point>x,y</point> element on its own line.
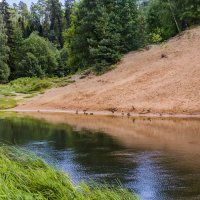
<point>51,39</point>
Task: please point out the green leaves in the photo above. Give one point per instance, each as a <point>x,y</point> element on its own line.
<point>100,32</point>
<point>189,10</point>
<point>4,52</point>
<point>166,18</point>
<point>84,34</point>
<point>25,176</point>
<point>37,58</point>
<point>161,25</point>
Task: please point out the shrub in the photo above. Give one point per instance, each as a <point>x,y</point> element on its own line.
<point>37,58</point>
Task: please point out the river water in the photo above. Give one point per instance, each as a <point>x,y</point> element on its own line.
<point>156,158</point>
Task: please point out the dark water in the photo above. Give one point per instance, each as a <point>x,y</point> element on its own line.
<point>158,159</point>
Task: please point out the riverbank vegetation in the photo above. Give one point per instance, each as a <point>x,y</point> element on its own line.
<point>21,88</point>
<point>24,176</point>
<point>6,103</point>
<point>32,85</point>
<point>51,39</point>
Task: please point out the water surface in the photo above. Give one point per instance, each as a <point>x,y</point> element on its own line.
<point>156,158</point>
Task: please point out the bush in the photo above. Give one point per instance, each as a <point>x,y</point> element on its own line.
<point>37,58</point>
<point>160,22</point>
<point>29,85</point>
<point>32,85</point>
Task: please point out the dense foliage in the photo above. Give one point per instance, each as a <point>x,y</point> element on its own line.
<point>166,18</point>
<point>37,57</point>
<point>51,39</point>
<point>23,88</point>
<point>4,50</point>
<point>98,35</point>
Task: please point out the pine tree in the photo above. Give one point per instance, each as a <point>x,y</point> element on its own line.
<point>92,40</point>
<point>129,29</point>
<point>4,52</point>
<point>24,18</point>
<point>15,38</point>
<point>80,32</point>
<point>36,18</point>
<point>101,31</point>
<point>68,10</point>
<point>7,16</point>
<point>105,45</point>
<point>56,22</point>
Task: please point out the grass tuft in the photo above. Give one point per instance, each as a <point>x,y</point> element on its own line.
<point>25,176</point>
<point>12,91</point>
<point>7,103</point>
<point>31,85</point>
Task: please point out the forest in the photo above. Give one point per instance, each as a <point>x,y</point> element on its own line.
<point>51,39</point>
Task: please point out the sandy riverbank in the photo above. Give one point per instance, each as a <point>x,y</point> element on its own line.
<point>143,83</point>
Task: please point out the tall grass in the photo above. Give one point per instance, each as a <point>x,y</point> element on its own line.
<point>24,176</point>
<point>31,85</point>
<point>6,103</point>
<point>22,88</point>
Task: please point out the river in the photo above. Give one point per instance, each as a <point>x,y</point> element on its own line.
<point>156,158</point>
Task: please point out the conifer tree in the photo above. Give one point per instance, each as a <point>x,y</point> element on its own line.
<point>7,17</point>
<point>4,52</point>
<point>56,24</point>
<point>68,10</point>
<point>105,45</point>
<point>101,31</point>
<point>80,32</point>
<point>129,29</point>
<point>24,17</point>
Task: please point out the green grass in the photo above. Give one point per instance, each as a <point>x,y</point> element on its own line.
<point>6,103</point>
<point>28,87</point>
<point>31,85</point>
<point>24,176</point>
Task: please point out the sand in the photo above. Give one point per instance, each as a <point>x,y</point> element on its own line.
<point>143,82</point>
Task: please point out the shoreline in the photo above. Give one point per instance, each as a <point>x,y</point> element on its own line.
<point>104,113</point>
<point>142,84</point>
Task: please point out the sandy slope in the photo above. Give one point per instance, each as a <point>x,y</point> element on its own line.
<point>143,82</point>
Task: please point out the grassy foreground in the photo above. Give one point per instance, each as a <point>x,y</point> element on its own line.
<point>23,176</point>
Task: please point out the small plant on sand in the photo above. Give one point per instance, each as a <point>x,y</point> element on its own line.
<point>112,110</point>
